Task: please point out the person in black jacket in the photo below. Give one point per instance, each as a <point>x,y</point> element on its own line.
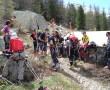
<point>53,40</point>
<point>43,43</point>
<point>34,37</point>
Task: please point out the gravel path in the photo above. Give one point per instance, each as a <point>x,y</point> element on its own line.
<point>85,82</point>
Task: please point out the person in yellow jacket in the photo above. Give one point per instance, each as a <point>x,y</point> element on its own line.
<point>85,39</point>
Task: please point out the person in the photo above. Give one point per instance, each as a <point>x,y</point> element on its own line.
<point>107,55</point>
<point>72,49</point>
<point>6,33</point>
<point>61,46</point>
<point>53,45</point>
<point>1,42</point>
<point>43,40</point>
<point>34,37</point>
<point>83,48</point>
<point>85,39</point>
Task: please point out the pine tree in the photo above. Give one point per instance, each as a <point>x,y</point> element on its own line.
<point>108,20</point>
<point>6,9</point>
<point>80,18</point>
<point>36,6</point>
<point>53,7</point>
<point>55,10</point>
<point>71,15</point>
<point>90,19</point>
<point>104,21</point>
<point>23,4</point>
<point>97,19</point>
<point>1,11</point>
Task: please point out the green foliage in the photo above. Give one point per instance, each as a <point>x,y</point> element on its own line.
<point>104,21</point>
<point>108,22</point>
<point>6,8</point>
<point>55,82</point>
<point>97,19</point>
<point>56,9</point>
<point>80,18</point>
<point>90,19</point>
<point>71,15</point>
<point>37,6</point>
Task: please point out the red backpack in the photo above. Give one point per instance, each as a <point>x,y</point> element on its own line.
<point>16,45</point>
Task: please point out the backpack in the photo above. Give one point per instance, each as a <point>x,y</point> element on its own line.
<point>51,40</point>
<point>16,45</point>
<point>42,36</point>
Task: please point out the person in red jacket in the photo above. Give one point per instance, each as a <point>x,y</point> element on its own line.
<point>73,49</point>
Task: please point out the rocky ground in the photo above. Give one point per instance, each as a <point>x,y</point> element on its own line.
<point>90,77</point>
<point>86,75</point>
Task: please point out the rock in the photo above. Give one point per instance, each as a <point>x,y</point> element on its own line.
<point>28,20</point>
<point>85,82</point>
<point>12,68</point>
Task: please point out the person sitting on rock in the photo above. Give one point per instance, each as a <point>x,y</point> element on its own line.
<point>85,39</point>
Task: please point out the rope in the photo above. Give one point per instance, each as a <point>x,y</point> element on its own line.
<point>3,78</point>
<point>32,70</point>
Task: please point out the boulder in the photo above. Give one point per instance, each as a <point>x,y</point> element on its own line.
<point>28,20</point>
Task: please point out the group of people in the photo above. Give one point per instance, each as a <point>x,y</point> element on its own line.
<point>40,40</point>
<point>54,42</point>
<point>59,47</point>
<point>70,48</point>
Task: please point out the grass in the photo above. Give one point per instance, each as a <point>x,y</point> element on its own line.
<point>54,82</point>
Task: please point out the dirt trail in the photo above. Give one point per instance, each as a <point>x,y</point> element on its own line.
<point>87,83</point>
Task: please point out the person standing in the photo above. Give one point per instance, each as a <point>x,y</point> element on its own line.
<point>43,46</point>
<point>34,38</point>
<point>6,33</point>
<point>72,48</point>
<point>53,45</point>
<point>107,55</point>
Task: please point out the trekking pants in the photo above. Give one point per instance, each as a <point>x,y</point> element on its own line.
<point>54,56</point>
<point>7,41</point>
<point>35,45</point>
<point>72,54</point>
